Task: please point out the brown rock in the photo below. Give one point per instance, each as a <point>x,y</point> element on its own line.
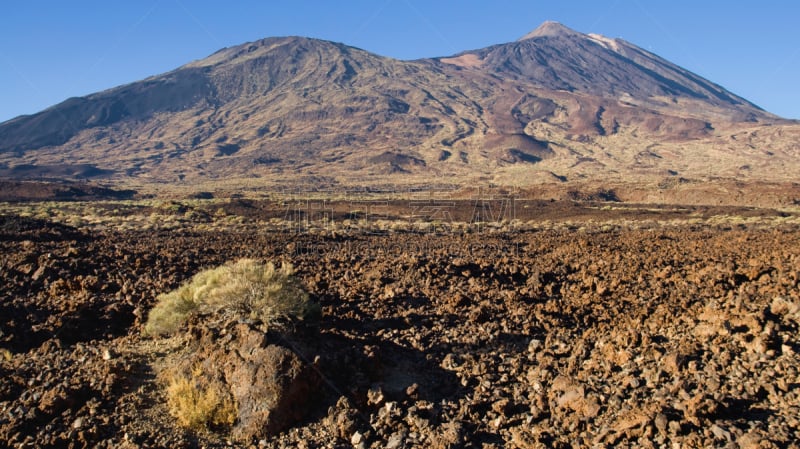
<point>661,423</point>
<point>754,440</point>
<point>502,407</point>
<point>631,420</point>
<point>273,389</point>
<point>341,420</point>
<point>573,397</point>
<point>451,435</point>
<point>40,273</point>
<point>375,396</point>
<point>271,386</point>
<point>522,438</point>
<point>674,362</point>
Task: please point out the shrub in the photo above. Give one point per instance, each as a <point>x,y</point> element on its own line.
<point>246,289</point>
<point>196,407</point>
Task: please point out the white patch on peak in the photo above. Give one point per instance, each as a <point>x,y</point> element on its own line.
<point>606,42</point>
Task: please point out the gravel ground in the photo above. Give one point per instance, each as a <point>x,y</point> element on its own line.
<point>667,337</point>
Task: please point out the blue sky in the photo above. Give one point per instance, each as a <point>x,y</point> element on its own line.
<point>53,50</point>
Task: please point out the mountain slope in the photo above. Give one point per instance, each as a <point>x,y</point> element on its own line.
<point>555,57</point>
<point>555,106</point>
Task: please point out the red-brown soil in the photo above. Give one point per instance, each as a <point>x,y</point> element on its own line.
<point>632,338</point>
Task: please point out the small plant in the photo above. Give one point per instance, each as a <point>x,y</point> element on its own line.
<point>196,407</point>
<point>246,289</point>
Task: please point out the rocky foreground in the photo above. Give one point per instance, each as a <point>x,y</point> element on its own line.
<point>664,337</point>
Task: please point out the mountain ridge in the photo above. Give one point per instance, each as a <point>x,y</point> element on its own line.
<point>555,105</point>
<point>674,81</point>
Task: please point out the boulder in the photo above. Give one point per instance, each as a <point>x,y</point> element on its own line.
<point>272,386</point>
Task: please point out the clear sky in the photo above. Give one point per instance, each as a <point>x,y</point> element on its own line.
<point>52,50</point>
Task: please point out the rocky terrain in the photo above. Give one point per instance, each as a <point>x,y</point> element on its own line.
<point>582,335</point>
<point>557,108</point>
<point>563,241</point>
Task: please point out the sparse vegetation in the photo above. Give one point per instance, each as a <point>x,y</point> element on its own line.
<point>196,406</point>
<point>661,297</point>
<point>246,288</point>
<point>222,215</point>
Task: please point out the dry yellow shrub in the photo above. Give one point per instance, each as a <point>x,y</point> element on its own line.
<point>246,288</point>
<point>195,407</point>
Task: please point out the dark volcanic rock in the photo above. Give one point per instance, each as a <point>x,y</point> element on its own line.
<point>272,387</point>
<point>681,335</point>
<point>60,190</point>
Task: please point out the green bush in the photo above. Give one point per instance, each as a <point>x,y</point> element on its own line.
<point>246,288</point>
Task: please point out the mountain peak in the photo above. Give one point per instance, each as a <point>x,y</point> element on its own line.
<point>306,106</point>
<point>550,29</point>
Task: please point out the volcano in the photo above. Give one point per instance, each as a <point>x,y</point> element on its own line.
<point>556,106</point>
